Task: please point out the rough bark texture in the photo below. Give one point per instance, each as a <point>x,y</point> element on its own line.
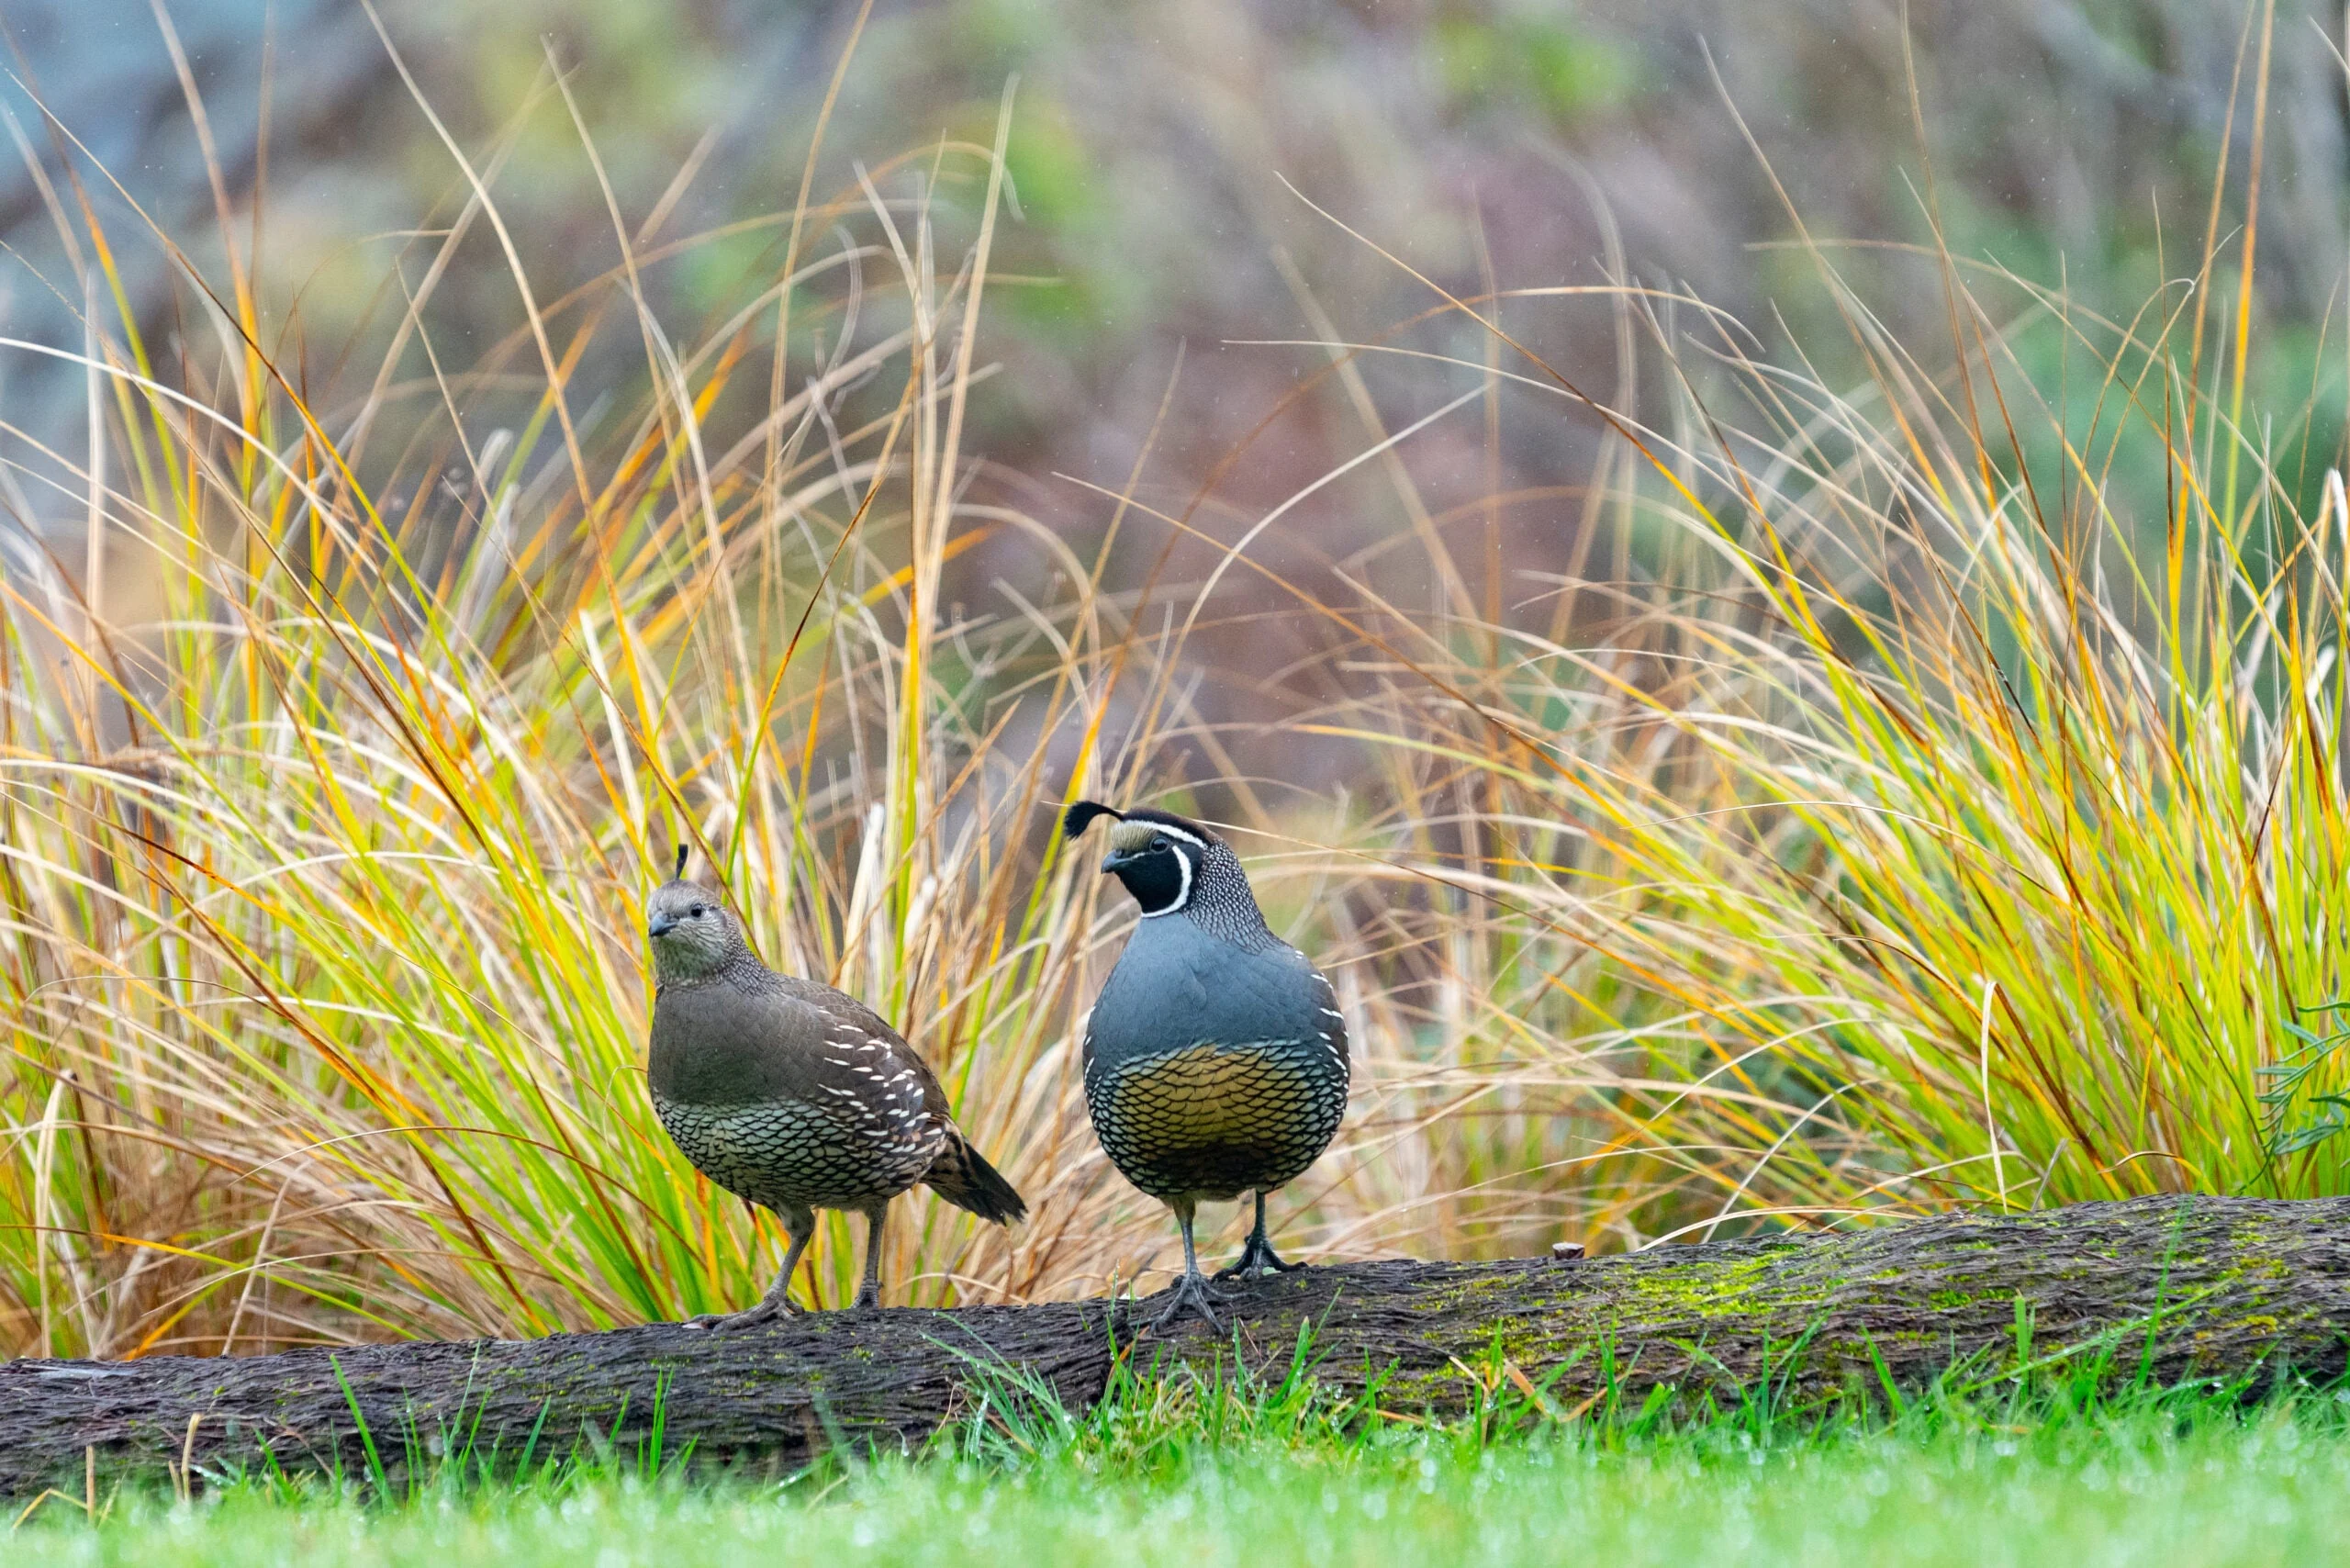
<point>2202,1286</point>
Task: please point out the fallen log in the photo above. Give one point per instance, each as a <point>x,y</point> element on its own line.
<point>2183,1286</point>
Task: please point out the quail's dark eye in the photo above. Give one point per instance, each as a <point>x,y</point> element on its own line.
<point>699,911</point>
<point>1158,842</point>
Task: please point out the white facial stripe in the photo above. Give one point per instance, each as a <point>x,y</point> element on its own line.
<point>1183,893</point>
<point>1190,838</point>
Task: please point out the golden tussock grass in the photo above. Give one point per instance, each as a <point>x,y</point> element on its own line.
<point>1927,794</point>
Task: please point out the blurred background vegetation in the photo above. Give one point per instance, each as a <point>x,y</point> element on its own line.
<point>1815,693</point>
<point>1559,142</point>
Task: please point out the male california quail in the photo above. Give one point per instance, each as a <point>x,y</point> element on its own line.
<point>793,1095</point>
<point>1215,1060</point>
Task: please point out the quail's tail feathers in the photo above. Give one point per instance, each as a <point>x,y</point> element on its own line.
<point>965,1179</point>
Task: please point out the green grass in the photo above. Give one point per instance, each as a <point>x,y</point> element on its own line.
<point>2175,1478</point>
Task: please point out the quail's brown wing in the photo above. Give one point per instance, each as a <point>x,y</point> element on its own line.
<point>877,1053</point>
<point>958,1172</point>
<point>729,1044</point>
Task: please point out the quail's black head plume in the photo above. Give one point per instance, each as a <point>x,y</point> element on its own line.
<point>793,1095</point>
<point>1081,816</point>
<point>1216,1057</point>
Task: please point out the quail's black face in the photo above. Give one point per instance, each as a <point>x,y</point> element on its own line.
<point>1157,868</point>
<point>1156,854</point>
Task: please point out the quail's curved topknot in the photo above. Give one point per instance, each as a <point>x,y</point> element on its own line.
<point>1081,816</point>
<point>683,850</point>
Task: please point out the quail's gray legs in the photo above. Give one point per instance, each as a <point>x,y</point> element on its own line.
<point>800,1225</point>
<point>1257,1257</point>
<point>1191,1291</point>
<point>868,1295</point>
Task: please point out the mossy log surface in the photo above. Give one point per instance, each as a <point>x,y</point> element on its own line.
<point>2188,1286</point>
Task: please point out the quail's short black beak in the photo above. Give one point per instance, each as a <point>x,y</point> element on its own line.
<point>1117,860</point>
<point>660,925</point>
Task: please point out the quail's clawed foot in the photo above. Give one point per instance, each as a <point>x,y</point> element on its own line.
<point>1192,1293</point>
<point>868,1299</point>
<point>1257,1258</point>
<point>750,1317</point>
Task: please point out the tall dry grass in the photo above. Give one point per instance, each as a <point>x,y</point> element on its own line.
<point>1895,812</point>
<point>1954,806</point>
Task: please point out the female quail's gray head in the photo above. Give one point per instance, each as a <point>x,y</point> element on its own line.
<point>691,932</point>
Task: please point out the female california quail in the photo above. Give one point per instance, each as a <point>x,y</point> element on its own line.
<point>793,1095</point>
<point>1215,1060</point>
